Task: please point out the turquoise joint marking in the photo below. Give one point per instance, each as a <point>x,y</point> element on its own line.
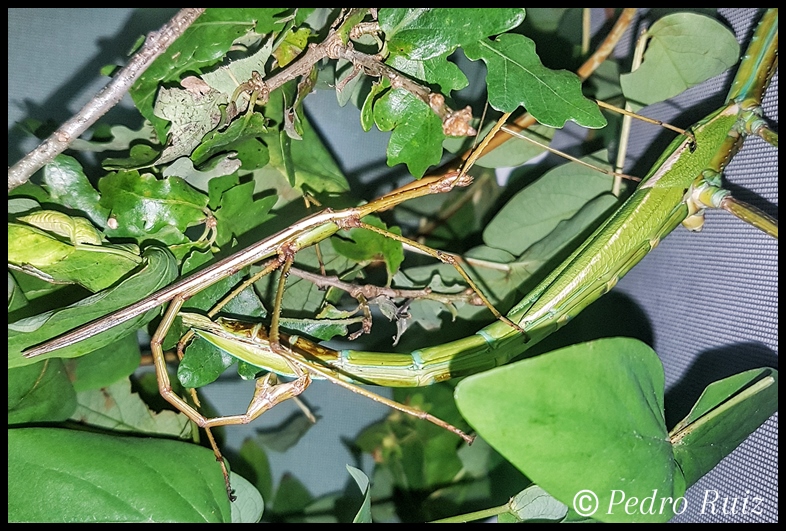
<point>417,360</point>
<point>489,340</point>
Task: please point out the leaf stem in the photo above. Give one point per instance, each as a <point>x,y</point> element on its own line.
<point>476,515</point>
<point>369,291</point>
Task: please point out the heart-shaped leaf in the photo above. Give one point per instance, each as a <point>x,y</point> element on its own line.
<point>59,475</point>
<point>588,417</point>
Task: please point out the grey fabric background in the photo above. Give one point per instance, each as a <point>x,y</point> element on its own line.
<point>728,273</point>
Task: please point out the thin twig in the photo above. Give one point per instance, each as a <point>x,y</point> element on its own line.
<point>526,120</point>
<point>156,44</point>
<point>333,47</point>
<point>369,291</point>
<point>456,122</point>
<point>585,70</point>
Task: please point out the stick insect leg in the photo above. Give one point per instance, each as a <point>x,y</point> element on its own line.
<point>707,193</point>
<point>276,314</point>
<point>268,268</point>
<point>747,212</point>
<point>447,258</point>
<point>327,374</point>
<point>165,386</point>
<point>751,215</point>
<point>648,120</point>
<point>302,368</point>
<point>768,135</point>
<point>268,391</point>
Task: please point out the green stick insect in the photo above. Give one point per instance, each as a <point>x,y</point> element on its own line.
<point>680,186</point>
<point>623,240</point>
<point>581,278</point>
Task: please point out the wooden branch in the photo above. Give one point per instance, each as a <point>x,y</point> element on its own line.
<point>369,291</point>
<point>156,44</point>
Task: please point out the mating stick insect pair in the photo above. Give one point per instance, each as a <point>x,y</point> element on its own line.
<point>680,186</point>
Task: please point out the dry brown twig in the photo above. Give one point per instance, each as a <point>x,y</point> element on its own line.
<point>455,122</point>
<point>156,44</point>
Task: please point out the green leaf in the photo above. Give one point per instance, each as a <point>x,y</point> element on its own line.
<point>516,77</point>
<point>178,243</point>
<point>685,49</point>
<point>40,393</point>
<point>29,289</point>
<point>423,33</point>
<point>95,267</point>
<point>478,458</point>
<point>307,164</point>
<point>16,296</point>
<point>534,212</point>
<point>220,166</point>
<point>534,503</point>
<point>437,71</point>
<point>547,19</point>
<point>252,152</point>
<point>293,44</point>
<point>420,455</point>
<point>590,417</point>
<point>362,245</point>
<point>68,185</point>
<point>239,213</point>
<point>245,128</point>
<point>192,261</point>
<point>417,130</point>
<point>216,188</point>
<point>21,205</point>
<point>351,84</point>
<point>202,363</point>
<point>255,457</point>
<point>249,505</point>
<point>31,246</point>
<point>292,496</point>
<point>118,409</point>
<point>75,229</point>
<point>106,365</point>
<point>367,110</point>
<point>726,413</point>
<point>202,45</point>
<point>160,270</point>
<point>58,475</point>
<point>364,513</point>
<point>321,329</point>
<point>139,156</point>
<point>142,204</point>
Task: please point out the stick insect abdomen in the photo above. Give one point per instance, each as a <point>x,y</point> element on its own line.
<point>661,202</point>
